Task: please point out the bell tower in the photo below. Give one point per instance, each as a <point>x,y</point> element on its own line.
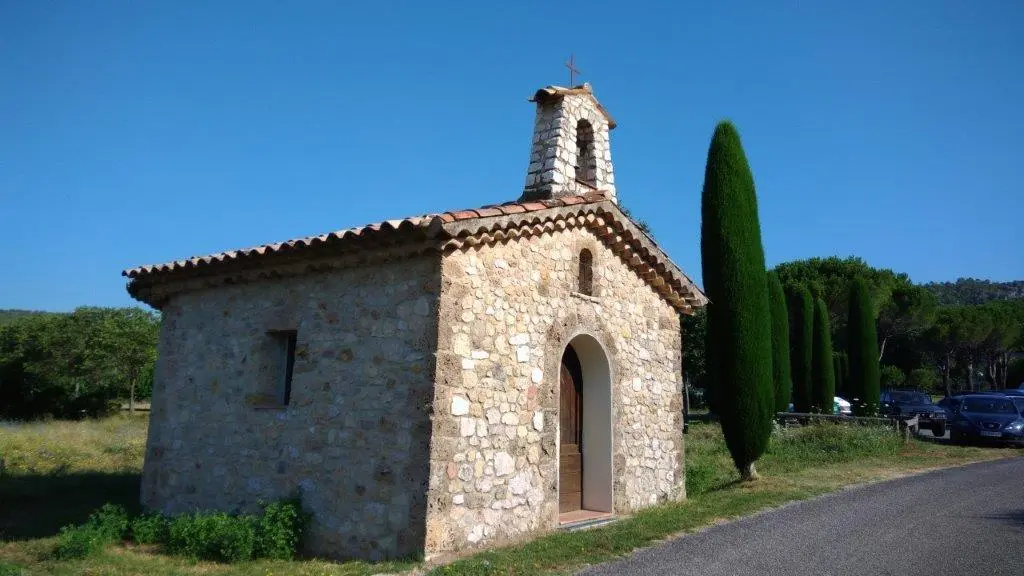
<point>570,152</point>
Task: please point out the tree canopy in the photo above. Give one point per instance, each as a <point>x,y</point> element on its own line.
<point>967,333</point>
<point>901,307</point>
<point>68,365</point>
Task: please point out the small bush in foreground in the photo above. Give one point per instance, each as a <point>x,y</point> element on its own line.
<point>213,536</point>
<point>150,529</point>
<point>79,542</point>
<point>105,526</point>
<point>279,529</point>
<point>274,534</point>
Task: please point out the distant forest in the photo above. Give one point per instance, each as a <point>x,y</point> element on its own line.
<point>970,291</point>
<point>8,316</point>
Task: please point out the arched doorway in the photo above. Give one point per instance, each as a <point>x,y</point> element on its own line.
<point>585,428</point>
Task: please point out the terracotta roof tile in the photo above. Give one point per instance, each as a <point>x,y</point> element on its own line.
<point>661,264</point>
<point>403,224</point>
<point>490,211</point>
<point>465,214</point>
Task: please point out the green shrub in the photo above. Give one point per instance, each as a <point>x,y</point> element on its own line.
<point>275,533</point>
<point>76,542</point>
<point>105,526</point>
<point>213,536</point>
<point>150,529</point>
<point>111,520</point>
<point>279,529</point>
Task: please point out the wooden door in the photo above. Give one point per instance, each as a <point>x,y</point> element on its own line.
<point>570,468</point>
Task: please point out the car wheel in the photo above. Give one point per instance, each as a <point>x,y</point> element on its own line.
<point>939,430</point>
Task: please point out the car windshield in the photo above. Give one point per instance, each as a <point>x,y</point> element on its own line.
<point>989,406</point>
<point>910,398</point>
<point>1019,403</point>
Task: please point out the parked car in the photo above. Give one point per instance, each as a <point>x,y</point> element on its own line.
<point>906,404</point>
<point>949,404</point>
<point>1018,402</point>
<point>841,407</point>
<point>1013,392</point>
<point>989,418</point>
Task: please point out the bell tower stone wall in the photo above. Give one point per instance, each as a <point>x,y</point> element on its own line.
<point>570,153</point>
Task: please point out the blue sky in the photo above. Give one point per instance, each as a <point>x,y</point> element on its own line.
<point>141,132</point>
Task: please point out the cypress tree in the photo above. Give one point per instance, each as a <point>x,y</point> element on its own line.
<point>823,389</point>
<point>862,342</point>
<point>801,327</point>
<point>781,381</point>
<point>837,368</point>
<point>739,318</point>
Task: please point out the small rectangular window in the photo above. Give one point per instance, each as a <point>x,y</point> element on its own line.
<point>285,343</point>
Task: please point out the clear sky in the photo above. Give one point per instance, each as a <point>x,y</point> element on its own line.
<point>141,132</point>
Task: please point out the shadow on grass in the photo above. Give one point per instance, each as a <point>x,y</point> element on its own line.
<point>36,506</point>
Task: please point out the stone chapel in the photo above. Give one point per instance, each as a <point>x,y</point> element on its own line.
<point>434,383</point>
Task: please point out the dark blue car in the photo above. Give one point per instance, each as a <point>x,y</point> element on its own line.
<point>986,418</point>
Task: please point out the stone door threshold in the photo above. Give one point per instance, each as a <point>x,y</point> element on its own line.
<point>583,519</point>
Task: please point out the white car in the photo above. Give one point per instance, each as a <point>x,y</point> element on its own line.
<point>841,407</point>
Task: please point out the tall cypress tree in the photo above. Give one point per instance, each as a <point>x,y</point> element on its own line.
<point>862,343</point>
<point>801,342</point>
<point>739,318</point>
<point>837,367</point>
<point>783,385</point>
<point>823,389</point>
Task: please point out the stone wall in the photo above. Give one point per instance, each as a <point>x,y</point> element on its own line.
<point>555,150</point>
<point>507,311</point>
<point>355,436</point>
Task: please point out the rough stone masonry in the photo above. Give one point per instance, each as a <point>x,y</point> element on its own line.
<point>403,377</point>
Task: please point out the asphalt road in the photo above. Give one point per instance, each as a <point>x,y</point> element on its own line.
<point>962,521</point>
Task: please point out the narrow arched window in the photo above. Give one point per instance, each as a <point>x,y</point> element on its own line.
<point>586,272</point>
<point>586,160</point>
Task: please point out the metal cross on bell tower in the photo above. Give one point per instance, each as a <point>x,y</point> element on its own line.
<point>571,65</point>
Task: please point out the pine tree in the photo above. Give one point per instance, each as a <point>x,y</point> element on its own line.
<point>739,318</point>
<point>801,342</point>
<point>862,343</point>
<point>783,385</point>
<point>823,389</point>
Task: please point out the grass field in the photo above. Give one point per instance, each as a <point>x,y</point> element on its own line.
<point>56,473</point>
